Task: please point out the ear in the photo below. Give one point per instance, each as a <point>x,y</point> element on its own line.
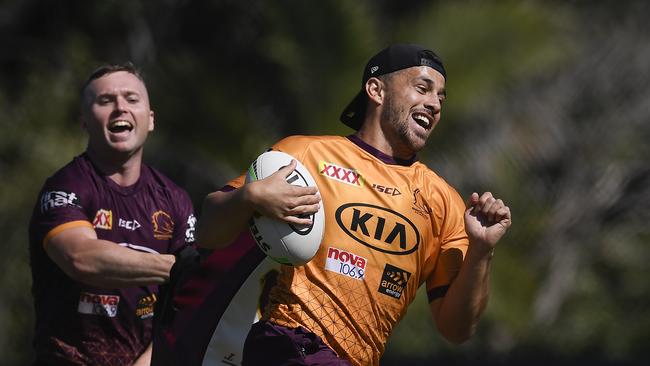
<point>375,89</point>
<point>83,112</point>
<point>151,121</point>
<point>83,120</point>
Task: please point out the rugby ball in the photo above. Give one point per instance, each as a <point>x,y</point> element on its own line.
<point>283,242</point>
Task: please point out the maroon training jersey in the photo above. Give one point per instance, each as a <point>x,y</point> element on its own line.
<point>81,324</point>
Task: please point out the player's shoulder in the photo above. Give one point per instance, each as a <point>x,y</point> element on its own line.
<point>429,175</point>
<point>70,186</point>
<point>307,140</point>
<point>77,173</point>
<point>436,185</point>
<point>161,181</point>
<point>297,145</point>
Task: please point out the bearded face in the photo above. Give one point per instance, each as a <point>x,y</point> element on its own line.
<point>411,108</point>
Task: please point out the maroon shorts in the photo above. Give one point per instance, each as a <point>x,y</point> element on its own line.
<point>269,344</point>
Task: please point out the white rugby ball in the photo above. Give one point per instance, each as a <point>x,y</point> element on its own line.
<point>283,242</point>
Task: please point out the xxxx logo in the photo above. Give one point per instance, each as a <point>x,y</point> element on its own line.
<point>345,175</point>
<point>103,219</point>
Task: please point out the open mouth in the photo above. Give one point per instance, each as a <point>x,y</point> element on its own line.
<point>120,126</point>
<point>422,119</point>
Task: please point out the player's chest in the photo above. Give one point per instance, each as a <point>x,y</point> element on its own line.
<point>376,221</point>
<point>381,208</point>
<point>136,221</point>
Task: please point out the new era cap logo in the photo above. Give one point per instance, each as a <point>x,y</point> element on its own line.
<point>393,281</point>
<point>374,69</point>
<point>427,62</point>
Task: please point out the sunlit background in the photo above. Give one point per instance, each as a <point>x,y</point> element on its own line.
<point>548,107</point>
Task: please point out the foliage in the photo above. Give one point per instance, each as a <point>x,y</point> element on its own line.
<point>547,107</point>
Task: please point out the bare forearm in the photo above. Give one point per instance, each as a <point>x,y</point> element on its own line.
<point>104,264</point>
<point>466,299</point>
<point>85,258</point>
<point>486,221</point>
<point>115,266</point>
<point>224,215</point>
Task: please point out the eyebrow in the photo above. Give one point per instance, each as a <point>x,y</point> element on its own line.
<point>125,93</point>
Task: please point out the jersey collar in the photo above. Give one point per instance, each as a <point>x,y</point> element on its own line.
<point>387,159</point>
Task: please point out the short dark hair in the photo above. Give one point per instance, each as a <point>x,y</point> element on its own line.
<point>111,68</point>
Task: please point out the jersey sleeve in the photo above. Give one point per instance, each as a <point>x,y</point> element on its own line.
<point>60,206</point>
<point>295,146</point>
<point>454,243</point>
<point>235,183</point>
<point>184,233</point>
<point>292,145</point>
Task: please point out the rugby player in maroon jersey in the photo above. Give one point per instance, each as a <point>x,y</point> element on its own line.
<point>103,234</point>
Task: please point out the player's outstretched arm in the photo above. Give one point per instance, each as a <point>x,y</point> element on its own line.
<point>225,214</point>
<point>457,313</point>
<point>85,258</point>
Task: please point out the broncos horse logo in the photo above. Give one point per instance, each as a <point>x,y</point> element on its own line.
<point>163,225</point>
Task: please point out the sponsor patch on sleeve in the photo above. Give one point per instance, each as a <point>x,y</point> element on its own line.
<point>53,199</point>
<point>189,233</point>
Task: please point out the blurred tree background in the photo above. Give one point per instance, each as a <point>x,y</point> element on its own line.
<point>548,107</point>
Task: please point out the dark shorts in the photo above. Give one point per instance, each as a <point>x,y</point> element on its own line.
<point>269,344</point>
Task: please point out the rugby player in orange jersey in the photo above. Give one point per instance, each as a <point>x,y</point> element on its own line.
<point>392,225</point>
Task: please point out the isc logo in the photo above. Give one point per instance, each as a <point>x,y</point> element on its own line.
<point>391,191</point>
<point>378,228</point>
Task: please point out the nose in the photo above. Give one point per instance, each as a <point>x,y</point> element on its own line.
<point>120,103</point>
<point>433,104</point>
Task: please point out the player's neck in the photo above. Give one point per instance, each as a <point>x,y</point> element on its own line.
<point>123,170</point>
<point>372,134</point>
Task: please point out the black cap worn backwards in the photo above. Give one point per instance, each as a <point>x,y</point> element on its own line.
<point>390,59</point>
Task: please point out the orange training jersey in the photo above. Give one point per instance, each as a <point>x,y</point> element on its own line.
<point>386,224</point>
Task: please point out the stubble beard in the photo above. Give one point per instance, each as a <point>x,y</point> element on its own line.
<point>398,119</point>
